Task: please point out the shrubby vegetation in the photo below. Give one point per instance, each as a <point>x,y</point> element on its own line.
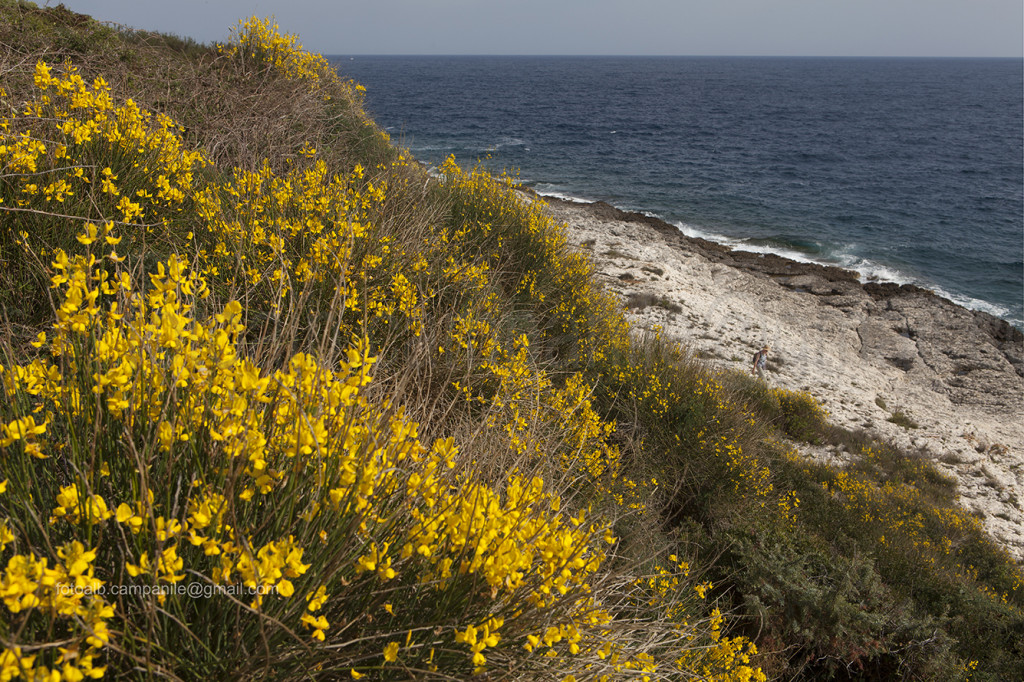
<point>278,403</point>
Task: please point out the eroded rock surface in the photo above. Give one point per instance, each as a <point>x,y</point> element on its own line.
<point>898,361</point>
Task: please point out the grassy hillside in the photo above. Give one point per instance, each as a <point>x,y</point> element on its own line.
<point>278,403</point>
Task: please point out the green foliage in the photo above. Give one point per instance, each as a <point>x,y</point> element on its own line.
<point>802,417</point>
<point>836,612</point>
<point>898,510</point>
<point>796,413</point>
<point>56,32</point>
<point>900,418</point>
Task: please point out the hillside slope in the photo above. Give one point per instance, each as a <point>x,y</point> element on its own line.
<point>278,403</point>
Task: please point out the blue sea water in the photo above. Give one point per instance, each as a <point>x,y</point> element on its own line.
<point>906,170</point>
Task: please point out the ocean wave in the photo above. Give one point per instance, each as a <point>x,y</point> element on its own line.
<point>813,252</point>
<point>983,306</point>
<point>504,142</point>
<point>867,270</point>
<point>558,194</point>
<point>430,148</point>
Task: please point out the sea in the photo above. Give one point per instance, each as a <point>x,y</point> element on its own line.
<point>902,169</point>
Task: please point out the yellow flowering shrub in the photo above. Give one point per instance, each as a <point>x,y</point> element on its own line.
<point>802,416</point>
<point>530,258</point>
<point>200,473</point>
<point>260,40</point>
<point>943,539</point>
<point>305,460</point>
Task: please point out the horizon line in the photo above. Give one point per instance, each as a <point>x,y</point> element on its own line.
<point>670,56</point>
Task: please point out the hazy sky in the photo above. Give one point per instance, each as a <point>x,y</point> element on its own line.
<point>958,28</point>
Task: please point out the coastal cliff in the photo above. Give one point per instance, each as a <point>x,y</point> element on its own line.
<point>896,361</point>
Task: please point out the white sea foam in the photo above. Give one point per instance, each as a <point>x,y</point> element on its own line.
<point>867,270</point>
<point>505,142</point>
<point>732,242</point>
<point>555,194</point>
<point>740,245</point>
<point>565,197</point>
<point>429,148</point>
<point>870,271</point>
<point>978,304</point>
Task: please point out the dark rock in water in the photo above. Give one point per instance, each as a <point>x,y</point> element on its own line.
<point>883,291</point>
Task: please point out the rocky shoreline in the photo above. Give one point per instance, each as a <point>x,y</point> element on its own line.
<point>895,360</point>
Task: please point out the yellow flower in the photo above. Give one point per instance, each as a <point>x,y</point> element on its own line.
<point>93,508</point>
<point>42,76</point>
<point>6,536</point>
<point>136,570</point>
<point>316,623</point>
<point>316,599</point>
<point>125,514</point>
<point>20,429</point>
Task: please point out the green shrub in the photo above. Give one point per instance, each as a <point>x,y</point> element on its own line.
<point>900,418</point>
<point>801,415</point>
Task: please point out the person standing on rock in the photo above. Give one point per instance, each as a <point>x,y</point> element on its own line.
<point>761,363</point>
